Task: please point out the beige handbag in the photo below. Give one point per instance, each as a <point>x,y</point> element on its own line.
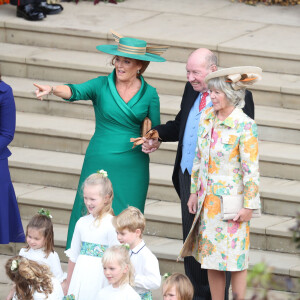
<point>146,126</point>
<point>146,132</point>
<point>232,204</point>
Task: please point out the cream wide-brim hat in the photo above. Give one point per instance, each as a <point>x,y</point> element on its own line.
<point>239,77</point>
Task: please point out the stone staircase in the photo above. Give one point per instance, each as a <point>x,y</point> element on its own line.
<point>52,135</point>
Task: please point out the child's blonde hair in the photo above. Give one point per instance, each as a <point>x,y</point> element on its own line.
<point>43,224</point>
<point>130,218</point>
<point>106,190</point>
<point>29,277</point>
<point>183,286</point>
<point>120,254</point>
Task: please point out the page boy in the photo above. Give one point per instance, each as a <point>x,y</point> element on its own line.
<point>130,225</point>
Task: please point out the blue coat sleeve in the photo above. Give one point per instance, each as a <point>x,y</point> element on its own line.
<point>7,118</point>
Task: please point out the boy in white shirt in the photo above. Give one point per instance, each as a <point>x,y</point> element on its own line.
<point>130,225</point>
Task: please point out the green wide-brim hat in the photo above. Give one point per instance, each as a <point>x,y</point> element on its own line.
<point>133,48</point>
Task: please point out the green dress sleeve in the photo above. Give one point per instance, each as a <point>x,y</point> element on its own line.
<point>154,109</point>
<point>86,90</point>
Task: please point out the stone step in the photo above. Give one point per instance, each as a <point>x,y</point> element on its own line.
<point>284,265</point>
<point>163,218</point>
<point>63,169</point>
<point>26,102</point>
<point>156,295</point>
<point>278,124</point>
<point>274,123</point>
<point>6,285</point>
<point>165,249</point>
<point>32,197</point>
<point>74,66</point>
<point>72,136</point>
<point>241,45</point>
<point>269,232</point>
<point>277,195</point>
<point>271,294</point>
<point>284,163</point>
<point>32,127</point>
<point>53,133</point>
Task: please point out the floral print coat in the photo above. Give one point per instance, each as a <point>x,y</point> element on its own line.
<point>225,163</point>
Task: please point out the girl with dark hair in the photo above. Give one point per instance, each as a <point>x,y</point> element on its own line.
<point>40,245</point>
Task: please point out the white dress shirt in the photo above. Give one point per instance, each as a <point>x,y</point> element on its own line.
<point>147,274</point>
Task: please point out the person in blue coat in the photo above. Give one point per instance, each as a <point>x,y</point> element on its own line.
<point>11,229</point>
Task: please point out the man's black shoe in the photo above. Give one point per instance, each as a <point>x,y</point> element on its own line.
<point>30,13</point>
<point>49,9</point>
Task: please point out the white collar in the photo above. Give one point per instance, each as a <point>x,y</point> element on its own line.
<point>138,248</point>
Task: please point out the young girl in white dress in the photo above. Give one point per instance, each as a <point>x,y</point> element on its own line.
<point>178,287</point>
<point>40,245</point>
<point>93,234</point>
<point>33,281</point>
<point>120,274</point>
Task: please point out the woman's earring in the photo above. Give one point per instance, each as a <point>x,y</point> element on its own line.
<point>138,72</point>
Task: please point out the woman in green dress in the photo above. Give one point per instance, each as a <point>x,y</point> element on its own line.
<point>121,102</point>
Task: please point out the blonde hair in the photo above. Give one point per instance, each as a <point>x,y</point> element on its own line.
<point>120,254</point>
<point>130,218</point>
<point>29,277</point>
<point>44,225</point>
<point>106,190</point>
<point>183,286</point>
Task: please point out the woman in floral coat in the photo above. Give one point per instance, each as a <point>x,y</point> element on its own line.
<point>225,164</point>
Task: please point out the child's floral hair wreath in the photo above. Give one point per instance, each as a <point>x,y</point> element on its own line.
<point>45,212</point>
<point>126,246</point>
<point>166,275</point>
<point>14,265</point>
<point>102,172</point>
